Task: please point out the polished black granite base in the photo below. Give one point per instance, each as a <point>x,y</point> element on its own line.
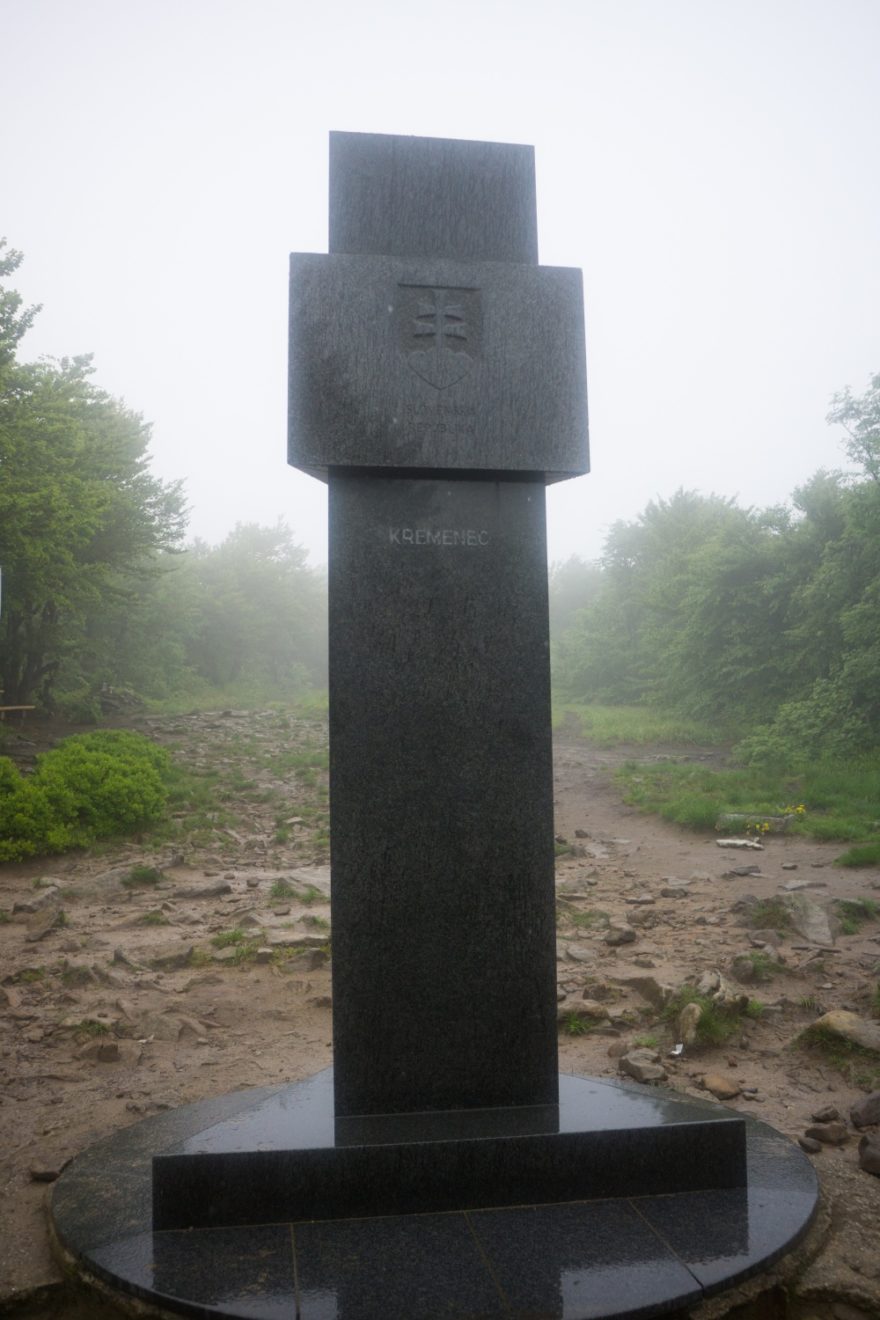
<point>287,1158</point>
<point>611,1256</point>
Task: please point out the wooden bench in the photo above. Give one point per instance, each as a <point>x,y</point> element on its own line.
<point>20,709</point>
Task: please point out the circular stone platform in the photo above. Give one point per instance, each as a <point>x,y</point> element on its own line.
<point>578,1260</point>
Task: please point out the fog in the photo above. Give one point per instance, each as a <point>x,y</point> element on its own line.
<point>710,165</point>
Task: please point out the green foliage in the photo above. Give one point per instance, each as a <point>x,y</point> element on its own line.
<point>861,1067</point>
<point>764,967</point>
<point>841,796</point>
<point>153,918</point>
<point>854,912</point>
<point>89,787</point>
<point>610,725</point>
<point>227,937</point>
<point>281,889</point>
<point>716,1024</point>
<point>866,854</point>
<point>769,914</point>
<point>141,876</point>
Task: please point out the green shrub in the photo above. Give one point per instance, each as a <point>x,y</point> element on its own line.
<point>89,787</point>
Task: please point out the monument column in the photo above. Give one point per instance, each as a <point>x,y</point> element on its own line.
<point>437,383</point>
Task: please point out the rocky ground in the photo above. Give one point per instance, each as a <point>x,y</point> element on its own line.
<point>139,977</point>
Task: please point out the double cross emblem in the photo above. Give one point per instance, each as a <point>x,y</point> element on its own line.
<point>438,333</point>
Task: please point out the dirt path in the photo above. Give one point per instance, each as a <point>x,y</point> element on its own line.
<point>112,1016</point>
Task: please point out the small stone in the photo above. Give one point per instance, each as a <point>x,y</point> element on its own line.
<point>688,1020</point>
<point>866,1111</point>
<point>789,866</point>
<point>674,891</point>
<point>252,882</point>
<point>723,1088</point>
<point>263,956</point>
<point>205,891</point>
<point>581,834</point>
<point>869,1154</point>
<point>827,1114</point>
<point>45,1173</point>
<point>641,899</point>
<point>851,1027</point>
<point>643,1065</point>
<point>42,921</point>
<point>831,1134</point>
<point>102,1051</point>
<point>617,935</point>
<point>810,1145</point>
<point>618,1048</point>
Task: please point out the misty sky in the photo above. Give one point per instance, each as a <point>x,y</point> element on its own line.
<point>710,164</point>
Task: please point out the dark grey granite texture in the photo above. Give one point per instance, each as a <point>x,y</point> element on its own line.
<point>406,364</point>
<point>619,1257</point>
<point>444,935</point>
<point>606,1141</point>
<point>432,197</point>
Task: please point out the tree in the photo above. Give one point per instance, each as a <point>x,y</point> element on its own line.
<point>81,514</point>
<point>860,418</point>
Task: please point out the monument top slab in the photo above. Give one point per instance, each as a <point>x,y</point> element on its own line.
<point>401,196</point>
<point>429,340</point>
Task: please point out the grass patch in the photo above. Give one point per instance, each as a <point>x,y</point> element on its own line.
<point>610,725</point>
<point>154,918</point>
<point>716,1023</point>
<point>141,877</point>
<point>769,914</point>
<point>89,1028</point>
<point>589,918</point>
<point>578,1024</point>
<point>859,1066</point>
<point>281,889</point>
<point>854,912</point>
<point>838,800</point>
<point>5,916</point>
<point>227,937</point>
<point>864,854</point>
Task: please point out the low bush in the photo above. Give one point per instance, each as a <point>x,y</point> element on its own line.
<point>90,786</point>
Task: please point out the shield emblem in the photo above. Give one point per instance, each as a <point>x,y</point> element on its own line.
<point>440,332</point>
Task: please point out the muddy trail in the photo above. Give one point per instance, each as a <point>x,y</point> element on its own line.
<point>201,965</point>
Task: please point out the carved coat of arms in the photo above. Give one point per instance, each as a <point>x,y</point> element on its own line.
<point>440,332</point>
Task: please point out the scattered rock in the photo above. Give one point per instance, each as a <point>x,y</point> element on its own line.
<point>866,1111</point>
<point>205,891</point>
<point>810,1145</point>
<point>648,987</point>
<point>617,935</point>
<point>789,866</point>
<point>738,820</point>
<point>771,937</point>
<point>869,1154</point>
<point>102,1051</point>
<point>851,1027</point>
<point>723,1088</point>
<point>173,959</point>
<point>830,1134</point>
<point>688,1021</point>
<point>740,843</point>
<point>809,919</point>
<point>46,1171</point>
<point>827,1114</point>
<point>643,1065</point>
<point>42,921</point>
<point>674,891</point>
<point>640,900</point>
